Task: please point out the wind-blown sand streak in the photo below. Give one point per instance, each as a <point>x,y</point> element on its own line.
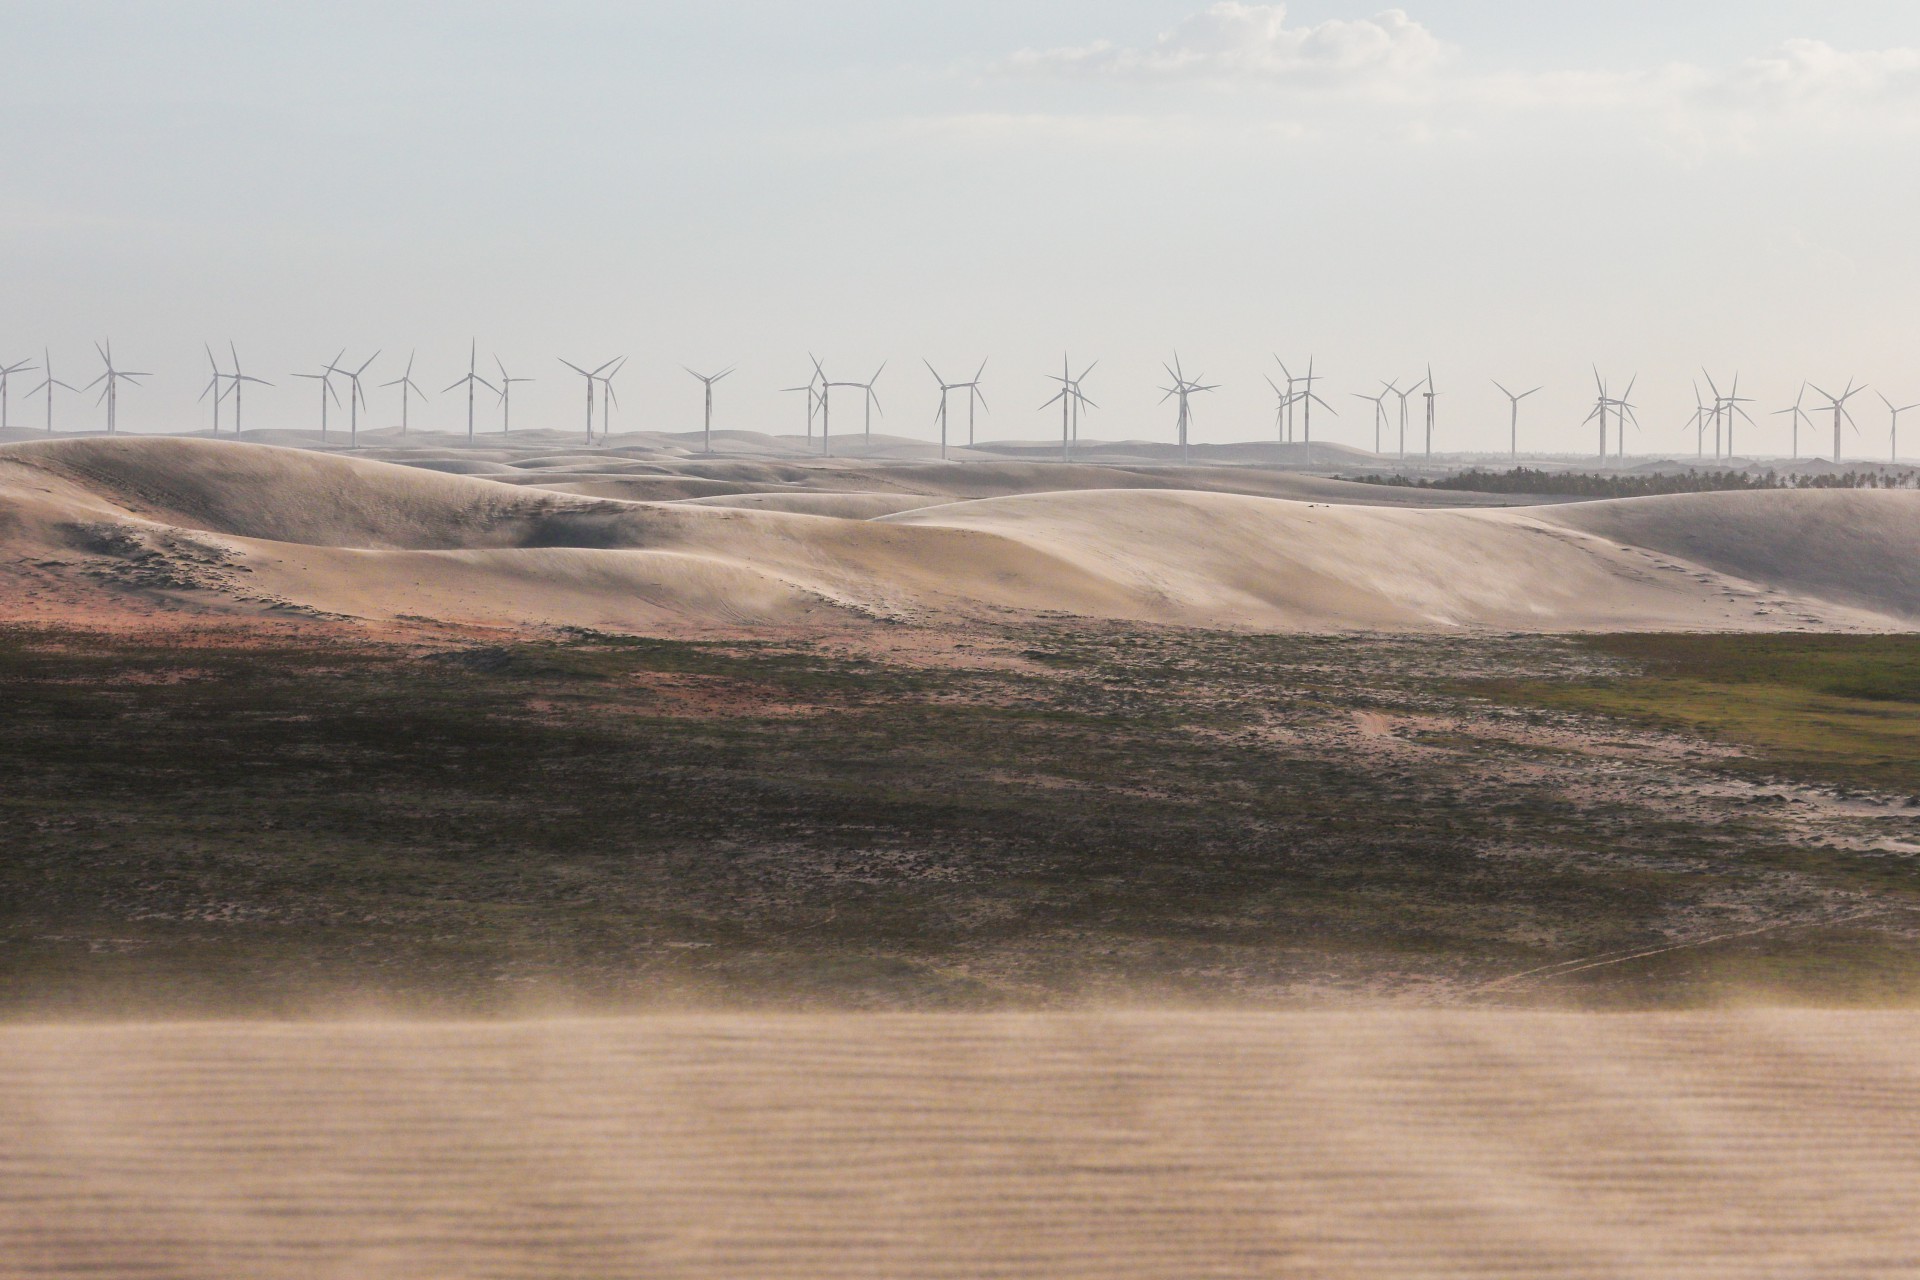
<point>1122,1145</point>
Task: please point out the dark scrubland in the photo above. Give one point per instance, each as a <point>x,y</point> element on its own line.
<point>1644,484</point>
<point>1039,816</point>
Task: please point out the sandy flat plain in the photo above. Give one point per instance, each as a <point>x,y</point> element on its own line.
<point>1151,1145</point>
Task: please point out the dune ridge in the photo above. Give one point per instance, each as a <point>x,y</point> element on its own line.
<point>225,526</point>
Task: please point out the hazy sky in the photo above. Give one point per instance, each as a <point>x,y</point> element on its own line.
<point>1508,189</point>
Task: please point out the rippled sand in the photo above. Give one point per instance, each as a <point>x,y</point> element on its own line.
<point>1751,1144</point>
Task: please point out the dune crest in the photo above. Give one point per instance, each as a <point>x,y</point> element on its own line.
<point>222,526</point>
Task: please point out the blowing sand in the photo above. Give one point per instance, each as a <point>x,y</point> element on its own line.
<point>1150,1145</point>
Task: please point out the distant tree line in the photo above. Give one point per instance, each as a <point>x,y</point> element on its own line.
<point>1571,484</point>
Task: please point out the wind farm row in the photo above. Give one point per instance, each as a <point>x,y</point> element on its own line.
<point>1399,429</point>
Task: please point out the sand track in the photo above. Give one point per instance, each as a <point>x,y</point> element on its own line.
<point>1110,1146</point>
<point>98,523</point>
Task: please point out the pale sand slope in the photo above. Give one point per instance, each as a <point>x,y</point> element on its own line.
<point>1048,1147</point>
<point>249,524</point>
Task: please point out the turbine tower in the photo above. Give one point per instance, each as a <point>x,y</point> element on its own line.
<point>826,406</point>
<point>236,381</point>
<point>408,389</point>
<point>1514,404</point>
<point>48,384</point>
<point>214,387</point>
<point>1603,407</point>
<point>1283,400</point>
<point>1623,410</point>
<point>6,373</point>
<point>1307,399</point>
<point>506,396</point>
<point>1379,404</point>
<point>356,398</point>
<point>1727,407</point>
<point>1394,390</point>
<point>608,400</point>
<point>1698,422</point>
<point>1799,416</point>
<point>590,380</point>
<point>1185,388</point>
<point>812,401</point>
<point>1893,436</point>
<point>111,391</point>
<point>1288,399</point>
<point>1071,398</point>
<point>1841,414</point>
<point>1430,396</point>
<point>325,379</point>
<point>974,396</point>
<point>471,381</point>
<point>707,380</point>
<point>872,399</point>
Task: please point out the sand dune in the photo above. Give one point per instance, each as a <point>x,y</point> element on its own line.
<point>224,525</point>
<point>1853,546</point>
<point>1120,1145</point>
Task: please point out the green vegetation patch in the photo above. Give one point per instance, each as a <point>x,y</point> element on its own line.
<point>1835,709</point>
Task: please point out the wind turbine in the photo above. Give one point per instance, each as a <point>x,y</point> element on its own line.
<point>356,398</point>
<point>325,379</point>
<point>1727,406</point>
<point>1840,412</point>
<point>812,401</point>
<point>1283,405</point>
<point>1799,415</point>
<point>111,391</point>
<point>1287,400</point>
<point>238,379</point>
<point>47,386</point>
<point>1379,404</point>
<point>608,400</point>
<point>1185,388</point>
<point>6,372</point>
<point>1514,404</point>
<point>590,379</point>
<point>506,396</point>
<point>1893,437</point>
<point>1283,400</point>
<point>708,380</point>
<point>1431,395</point>
<point>407,389</point>
<point>872,400</point>
<point>1603,405</point>
<point>1071,398</point>
<point>472,380</point>
<point>974,396</point>
<point>1309,398</point>
<point>826,406</point>
<point>1623,409</point>
<point>1719,408</point>
<point>214,387</point>
<point>1698,422</point>
<point>1405,396</point>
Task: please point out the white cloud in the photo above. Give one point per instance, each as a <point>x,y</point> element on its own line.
<point>1231,42</point>
<point>1393,61</point>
